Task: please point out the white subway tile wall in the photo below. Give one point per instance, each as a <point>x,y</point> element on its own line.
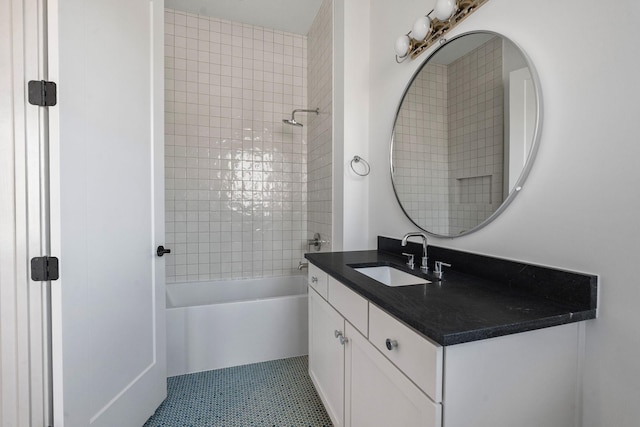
<point>236,176</point>
<point>448,142</point>
<point>320,128</point>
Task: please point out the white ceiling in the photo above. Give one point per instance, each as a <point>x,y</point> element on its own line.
<point>294,16</point>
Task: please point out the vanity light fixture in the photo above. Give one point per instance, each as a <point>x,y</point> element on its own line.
<point>427,30</point>
<point>444,9</point>
<point>421,28</point>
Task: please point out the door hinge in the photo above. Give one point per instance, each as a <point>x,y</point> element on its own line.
<point>42,93</point>
<point>44,268</point>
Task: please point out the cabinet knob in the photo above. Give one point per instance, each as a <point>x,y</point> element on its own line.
<point>391,344</point>
<point>314,279</point>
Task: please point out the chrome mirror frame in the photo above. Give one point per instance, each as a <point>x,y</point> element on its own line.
<point>519,185</point>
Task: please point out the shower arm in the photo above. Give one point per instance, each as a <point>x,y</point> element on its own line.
<point>302,110</point>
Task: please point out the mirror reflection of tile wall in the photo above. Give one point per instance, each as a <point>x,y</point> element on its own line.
<point>421,150</point>
<point>476,143</point>
<point>449,144</point>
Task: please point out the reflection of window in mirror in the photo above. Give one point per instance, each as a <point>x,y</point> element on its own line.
<point>520,113</point>
<point>522,121</point>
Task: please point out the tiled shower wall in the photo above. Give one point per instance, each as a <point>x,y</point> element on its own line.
<point>319,161</point>
<point>235,174</point>
<point>453,182</point>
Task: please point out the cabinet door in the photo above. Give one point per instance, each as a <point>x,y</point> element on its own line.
<point>326,356</point>
<point>378,394</point>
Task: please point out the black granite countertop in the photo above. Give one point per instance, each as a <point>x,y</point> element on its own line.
<point>464,307</point>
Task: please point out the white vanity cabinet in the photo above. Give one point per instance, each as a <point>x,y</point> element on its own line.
<point>528,379</point>
<point>358,385</point>
<point>372,370</point>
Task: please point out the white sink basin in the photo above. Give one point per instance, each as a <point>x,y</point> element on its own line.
<point>391,276</point>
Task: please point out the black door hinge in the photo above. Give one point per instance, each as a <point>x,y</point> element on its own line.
<point>42,93</point>
<point>44,268</point>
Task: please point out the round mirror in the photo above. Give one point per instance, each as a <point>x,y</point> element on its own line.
<point>465,134</point>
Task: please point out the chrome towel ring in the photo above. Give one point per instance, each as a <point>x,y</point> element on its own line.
<point>367,167</point>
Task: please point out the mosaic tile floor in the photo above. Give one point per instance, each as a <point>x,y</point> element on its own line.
<point>278,393</point>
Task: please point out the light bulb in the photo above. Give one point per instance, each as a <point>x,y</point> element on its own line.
<point>444,9</point>
<point>421,28</point>
<point>402,46</point>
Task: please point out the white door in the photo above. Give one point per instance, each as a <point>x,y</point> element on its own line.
<point>109,366</point>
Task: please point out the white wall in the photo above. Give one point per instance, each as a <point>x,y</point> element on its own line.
<point>579,207</point>
<point>24,372</point>
<point>351,118</point>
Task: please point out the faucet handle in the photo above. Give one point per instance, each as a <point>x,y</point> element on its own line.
<point>438,270</point>
<point>410,262</point>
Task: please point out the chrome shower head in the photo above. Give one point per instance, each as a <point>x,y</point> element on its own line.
<point>293,121</point>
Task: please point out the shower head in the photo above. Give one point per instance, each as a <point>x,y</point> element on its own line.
<point>293,121</point>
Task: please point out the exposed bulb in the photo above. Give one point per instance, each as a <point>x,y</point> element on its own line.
<point>402,46</point>
<point>444,9</point>
<point>421,28</point>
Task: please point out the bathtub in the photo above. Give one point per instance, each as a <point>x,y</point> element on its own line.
<point>213,325</point>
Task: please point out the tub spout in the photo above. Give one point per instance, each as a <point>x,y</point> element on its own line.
<point>302,265</point>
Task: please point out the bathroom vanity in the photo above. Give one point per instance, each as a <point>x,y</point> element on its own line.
<point>485,342</point>
<point>495,343</point>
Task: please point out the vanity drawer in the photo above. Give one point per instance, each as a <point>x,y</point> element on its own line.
<point>317,279</point>
<point>352,306</point>
<point>417,357</point>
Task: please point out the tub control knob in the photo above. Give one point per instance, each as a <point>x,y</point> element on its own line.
<point>341,337</point>
<point>391,344</point>
<point>161,251</point>
<point>314,279</point>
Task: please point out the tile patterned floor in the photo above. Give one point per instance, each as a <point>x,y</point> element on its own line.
<point>278,393</point>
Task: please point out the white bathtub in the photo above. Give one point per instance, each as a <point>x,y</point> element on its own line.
<point>213,325</point>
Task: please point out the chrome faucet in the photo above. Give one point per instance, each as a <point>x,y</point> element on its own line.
<point>424,266</point>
